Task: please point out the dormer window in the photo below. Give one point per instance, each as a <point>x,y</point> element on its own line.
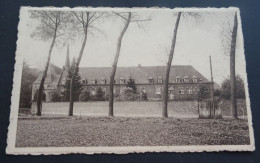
<point>151,81</point>
<point>103,81</point>
<point>94,82</point>
<point>160,80</point>
<point>122,81</point>
<point>177,79</point>
<point>84,81</point>
<point>186,79</point>
<point>63,82</point>
<point>194,79</point>
<point>131,79</point>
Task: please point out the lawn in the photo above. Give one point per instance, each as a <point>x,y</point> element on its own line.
<point>177,109</point>
<point>61,131</point>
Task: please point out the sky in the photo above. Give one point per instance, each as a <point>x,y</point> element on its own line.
<point>147,44</point>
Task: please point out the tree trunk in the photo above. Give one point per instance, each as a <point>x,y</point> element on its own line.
<point>232,69</point>
<point>40,91</point>
<point>112,76</point>
<point>75,69</point>
<point>168,69</point>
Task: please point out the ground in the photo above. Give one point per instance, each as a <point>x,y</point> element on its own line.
<point>58,131</point>
<point>177,109</point>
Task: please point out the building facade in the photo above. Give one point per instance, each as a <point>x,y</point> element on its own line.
<point>184,80</point>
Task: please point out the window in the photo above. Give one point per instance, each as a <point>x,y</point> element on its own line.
<point>122,81</point>
<point>151,81</point>
<point>160,80</point>
<point>103,81</point>
<point>180,90</point>
<point>158,90</point>
<point>63,82</point>
<point>177,79</point>
<point>186,79</point>
<point>189,90</point>
<point>114,81</point>
<point>84,81</point>
<point>105,91</point>
<point>94,82</point>
<point>194,79</point>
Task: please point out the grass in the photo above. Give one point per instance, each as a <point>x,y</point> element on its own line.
<point>177,109</point>
<point>49,131</point>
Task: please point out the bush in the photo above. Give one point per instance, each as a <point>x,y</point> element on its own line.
<point>36,95</point>
<point>84,95</point>
<point>226,88</point>
<point>55,96</point>
<point>127,94</point>
<point>99,96</point>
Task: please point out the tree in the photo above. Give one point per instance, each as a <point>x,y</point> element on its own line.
<point>99,94</point>
<point>113,73</point>
<point>168,69</point>
<point>204,93</point>
<point>76,82</point>
<point>226,88</point>
<point>84,95</point>
<point>51,27</point>
<point>127,19</point>
<point>186,15</point>
<point>131,84</point>
<point>84,22</point>
<point>28,77</point>
<point>233,68</point>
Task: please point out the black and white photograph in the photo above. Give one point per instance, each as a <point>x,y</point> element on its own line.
<point>124,80</point>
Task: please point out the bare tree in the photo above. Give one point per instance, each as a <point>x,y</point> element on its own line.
<point>127,18</point>
<point>185,15</point>
<point>233,69</point>
<point>84,21</point>
<point>168,69</point>
<point>51,26</point>
<point>113,73</point>
<point>229,43</point>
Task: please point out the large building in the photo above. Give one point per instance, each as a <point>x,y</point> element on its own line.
<point>184,80</point>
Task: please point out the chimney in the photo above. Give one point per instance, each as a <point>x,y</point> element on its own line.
<point>139,65</point>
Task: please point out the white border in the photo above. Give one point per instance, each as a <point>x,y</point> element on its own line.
<point>11,149</point>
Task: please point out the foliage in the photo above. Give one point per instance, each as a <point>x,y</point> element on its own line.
<point>36,95</point>
<point>217,93</point>
<point>127,94</point>
<point>204,92</point>
<point>131,84</point>
<point>99,96</point>
<point>226,88</point>
<point>55,96</point>
<point>28,77</point>
<point>51,24</point>
<point>84,95</point>
<point>77,83</point>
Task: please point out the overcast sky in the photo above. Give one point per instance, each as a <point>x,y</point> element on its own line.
<point>149,45</point>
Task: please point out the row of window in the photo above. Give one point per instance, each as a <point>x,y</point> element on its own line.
<point>151,81</point>
<point>180,90</point>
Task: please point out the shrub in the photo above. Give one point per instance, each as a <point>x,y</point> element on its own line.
<point>127,94</point>
<point>84,95</point>
<point>55,96</point>
<point>99,96</point>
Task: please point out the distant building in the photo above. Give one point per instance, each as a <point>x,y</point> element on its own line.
<point>184,80</point>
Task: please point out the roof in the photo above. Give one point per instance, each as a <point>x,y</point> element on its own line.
<point>140,74</point>
<point>52,78</point>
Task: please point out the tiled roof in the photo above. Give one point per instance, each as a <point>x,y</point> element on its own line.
<point>140,74</point>
<point>52,78</point>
